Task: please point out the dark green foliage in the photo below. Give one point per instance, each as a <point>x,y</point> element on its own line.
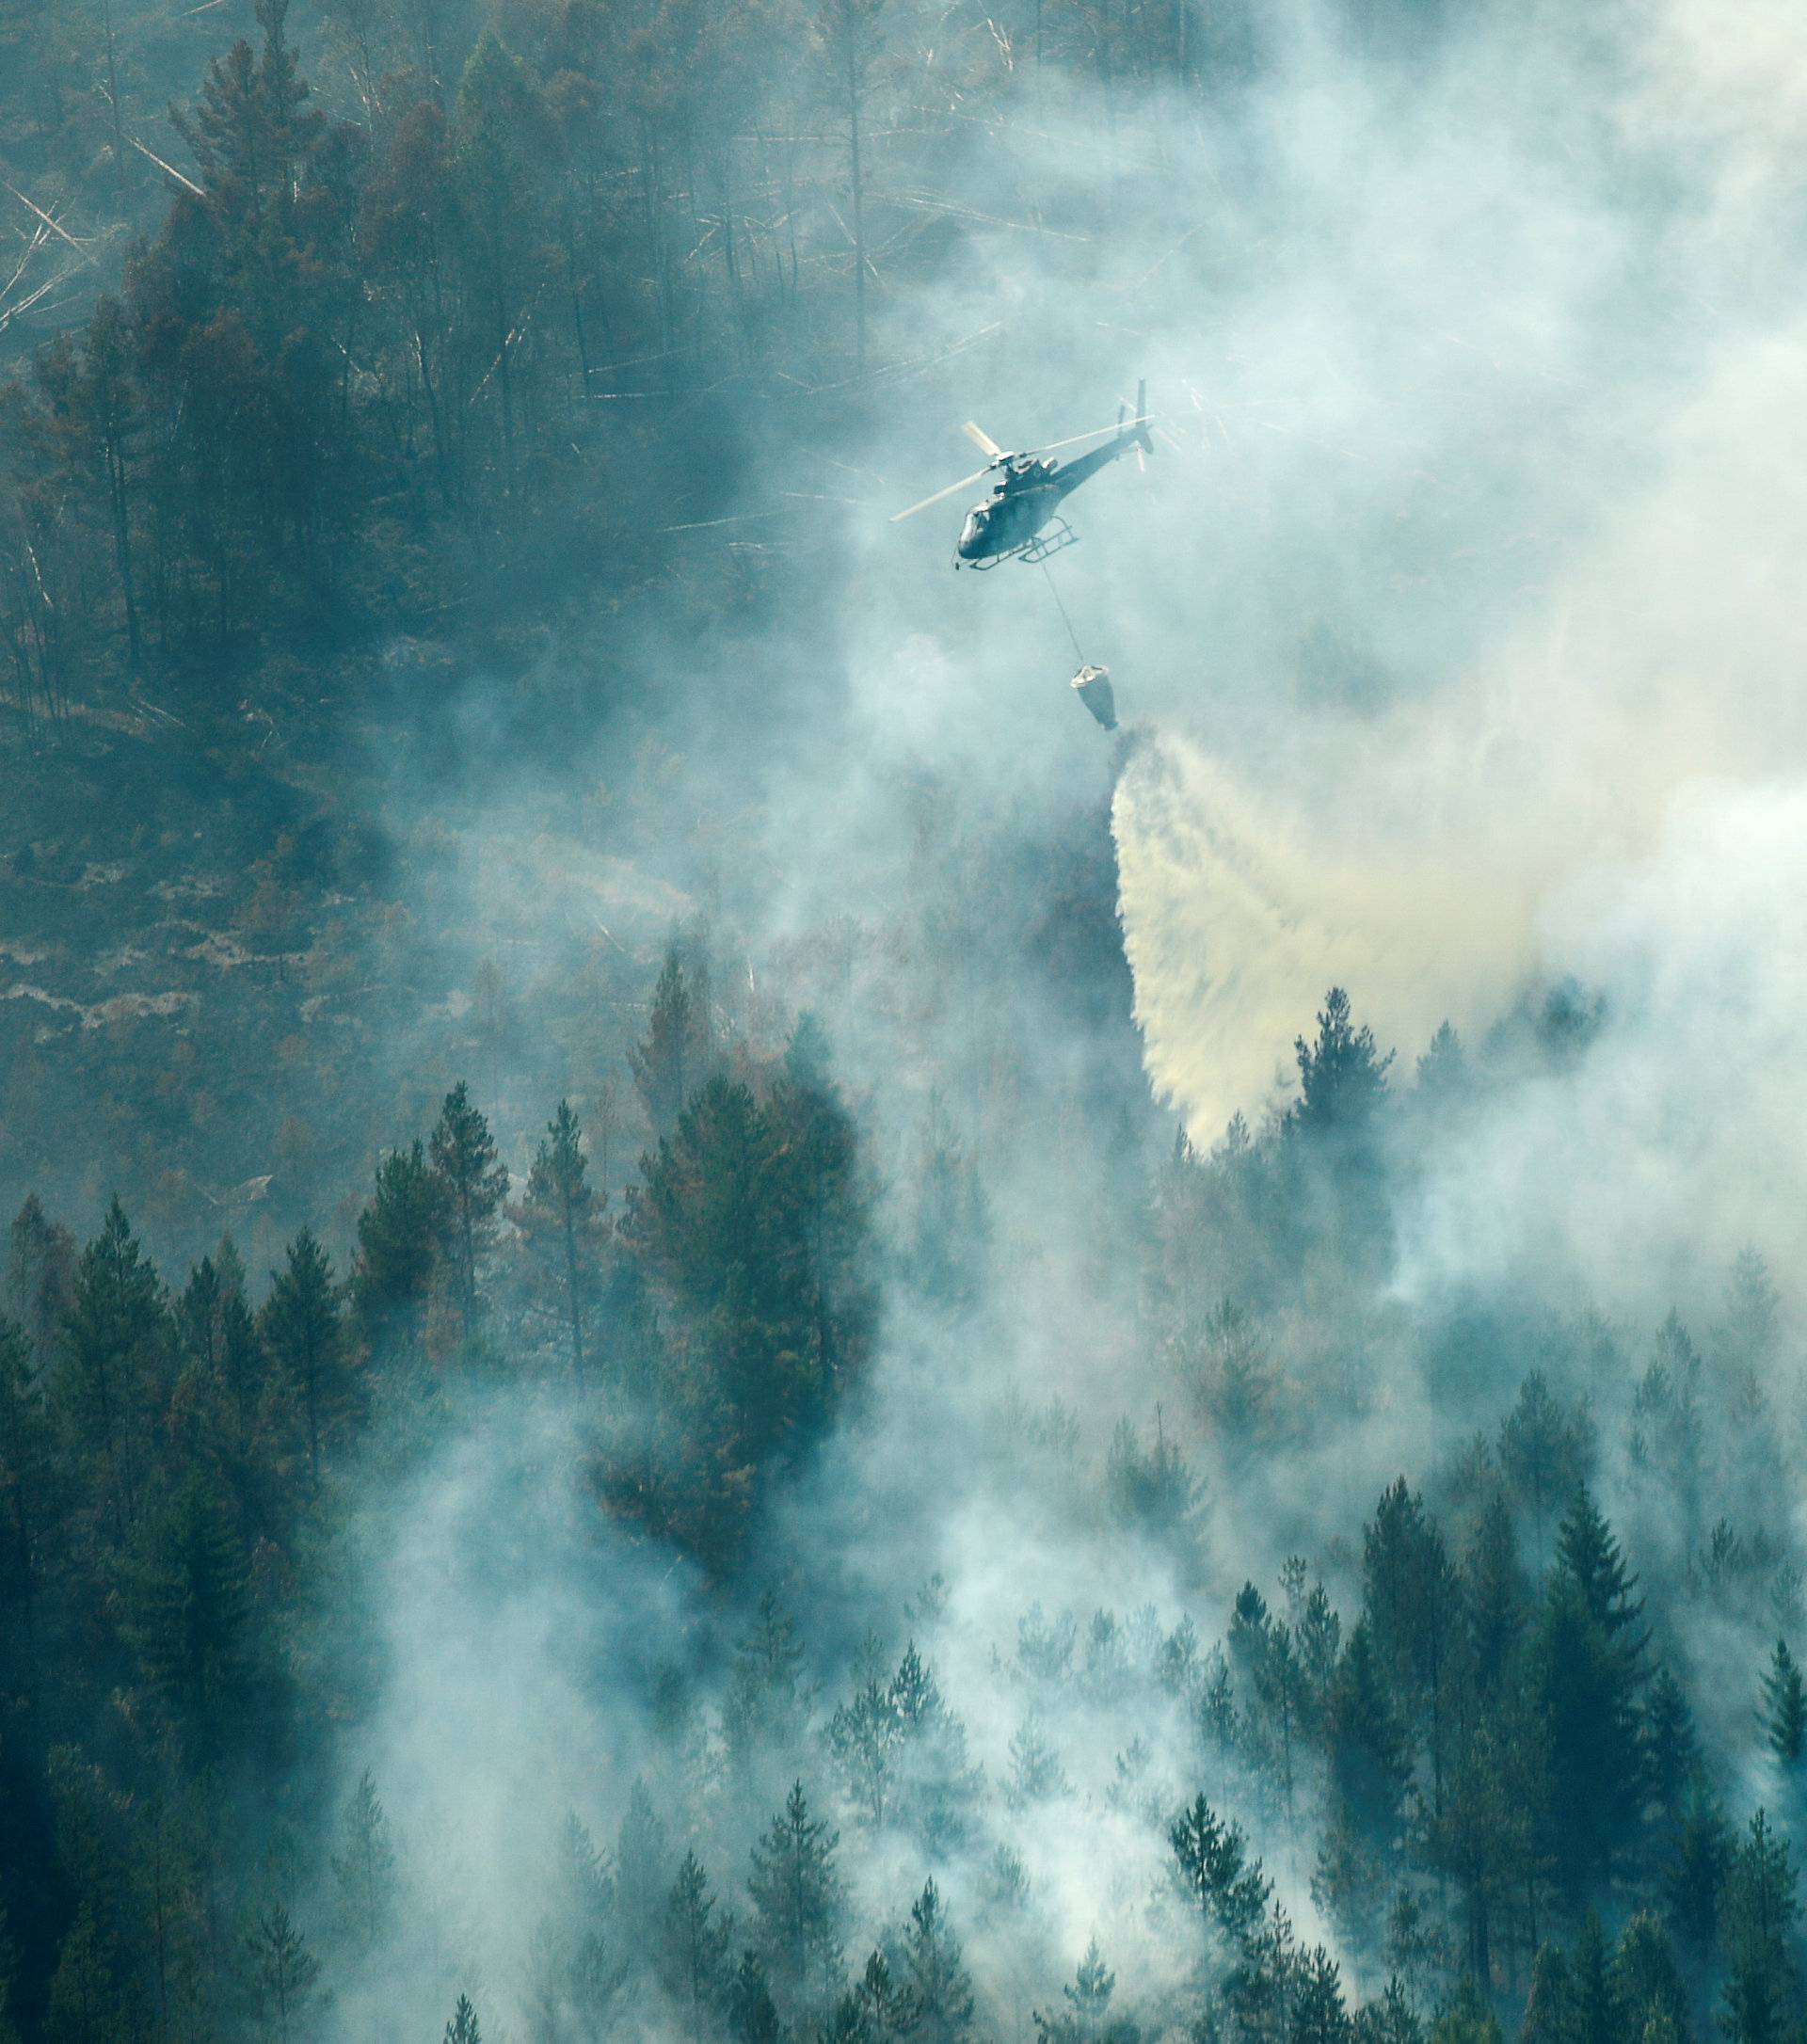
<point>940,1993</point>
<point>693,1945</point>
<point>471,1186</point>
<point>463,2027</point>
<point>561,1222</point>
<point>798,1906</point>
<point>1342,1076</point>
<point>1368,1762</point>
<point>1785,1706</point>
<point>190,1602</point>
<point>1153,1488</point>
<point>115,1357</point>
<point>1087,2018</point>
<point>398,1234</point>
<point>301,1327</point>
<point>1228,1889</point>
<point>667,1067</point>
<point>283,1973</point>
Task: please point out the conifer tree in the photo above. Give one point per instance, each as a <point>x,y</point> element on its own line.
<point>365,1867</point>
<point>1215,1873</point>
<point>116,1342</point>
<point>284,1972</point>
<point>41,1275</point>
<point>397,1237</point>
<point>665,1065</point>
<point>463,2027</point>
<point>190,1604</point>
<point>471,1185</point>
<point>561,1219</point>
<point>752,2015</point>
<point>1785,1707</point>
<point>694,1947</point>
<point>798,1906</point>
<point>642,1873</point>
<point>1342,1076</point>
<point>301,1326</point>
<point>937,1983</point>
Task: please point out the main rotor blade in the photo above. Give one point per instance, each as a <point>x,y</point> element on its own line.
<point>966,482</point>
<point>982,440</point>
<point>1097,433</point>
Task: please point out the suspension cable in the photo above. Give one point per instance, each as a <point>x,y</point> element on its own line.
<point>1077,652</point>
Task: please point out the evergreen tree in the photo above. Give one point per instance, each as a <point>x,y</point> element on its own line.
<point>642,1873</point>
<point>1342,1077</point>
<point>115,1367</point>
<point>301,1326</point>
<point>284,1972</point>
<point>191,1600</point>
<point>666,1067</point>
<point>798,1904</point>
<point>1785,1707</point>
<point>1367,1758</point>
<point>1546,1452</point>
<point>471,1185</point>
<point>463,2028</point>
<point>40,1276</point>
<point>561,1219</point>
<point>1695,1875</point>
<point>694,1948</point>
<point>397,1237</point>
<point>1215,1873</point>
<point>364,1869</point>
<point>1087,2019</point>
<point>936,1982</point>
<point>1672,1753</point>
<point>752,2016</point>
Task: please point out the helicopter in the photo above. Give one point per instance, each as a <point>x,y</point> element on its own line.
<point>1020,519</point>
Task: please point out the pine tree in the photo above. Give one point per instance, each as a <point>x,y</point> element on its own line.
<point>41,1275</point>
<point>301,1326</point>
<point>752,2016</point>
<point>1035,1771</point>
<point>85,2002</point>
<point>190,1604</point>
<point>1317,2014</point>
<point>1496,1602</point>
<point>1696,1871</point>
<point>463,2029</point>
<point>1087,2019</point>
<point>1368,1763</point>
<point>561,1219</point>
<point>798,1904</point>
<point>397,1237</point>
<point>936,1982</point>
<point>1342,1077</point>
<point>1785,1707</point>
<point>27,1508</point>
<point>284,1972</point>
<point>1216,1874</point>
<point>1546,1451</point>
<point>694,1947</point>
<point>666,1067</point>
<point>364,1869</point>
<point>1647,1984</point>
<point>116,1344</point>
<point>642,1873</point>
<point>472,1185</point>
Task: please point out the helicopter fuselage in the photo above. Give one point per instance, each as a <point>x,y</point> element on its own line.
<point>1026,500</point>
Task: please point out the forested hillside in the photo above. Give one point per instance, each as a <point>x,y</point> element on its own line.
<point>710,1329</point>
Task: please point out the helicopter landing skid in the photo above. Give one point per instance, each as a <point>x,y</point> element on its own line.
<point>1058,537</point>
